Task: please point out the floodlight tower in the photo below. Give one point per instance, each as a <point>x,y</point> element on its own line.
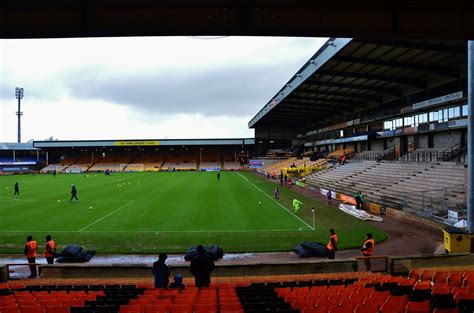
<point>19,96</point>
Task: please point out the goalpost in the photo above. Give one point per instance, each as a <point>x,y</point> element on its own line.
<point>134,167</point>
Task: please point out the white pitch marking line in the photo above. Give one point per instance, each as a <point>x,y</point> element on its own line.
<point>65,200</point>
<point>154,231</point>
<point>281,205</point>
<point>100,219</point>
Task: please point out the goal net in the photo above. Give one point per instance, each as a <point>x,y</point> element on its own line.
<point>132,167</point>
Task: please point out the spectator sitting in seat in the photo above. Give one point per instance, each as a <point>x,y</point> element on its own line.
<point>178,282</point>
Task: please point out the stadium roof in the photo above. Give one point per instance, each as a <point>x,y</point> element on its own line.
<point>143,143</point>
<point>343,18</point>
<point>350,78</point>
<point>16,146</point>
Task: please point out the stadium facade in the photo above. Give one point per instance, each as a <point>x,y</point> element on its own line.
<point>385,99</point>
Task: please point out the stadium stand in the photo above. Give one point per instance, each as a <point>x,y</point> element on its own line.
<point>182,161</point>
<point>339,153</point>
<point>424,290</point>
<point>111,162</point>
<point>211,159</point>
<point>286,163</point>
<point>232,166</point>
<point>390,183</point>
<point>152,161</point>
<point>141,159</point>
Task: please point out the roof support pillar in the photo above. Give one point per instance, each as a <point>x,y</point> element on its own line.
<point>470,136</point>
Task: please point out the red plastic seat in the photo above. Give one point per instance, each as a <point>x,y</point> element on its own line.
<point>27,303</point>
<point>54,302</point>
<point>204,307</point>
<point>468,296</point>
<point>32,309</point>
<point>162,302</point>
<point>179,309</point>
<point>455,279</point>
<point>61,296</point>
<point>25,297</point>
<point>441,290</point>
<point>469,279</point>
<point>155,309</point>
<point>72,302</point>
<point>56,309</point>
<point>9,303</point>
<point>418,307</point>
<point>441,277</point>
<point>373,308</point>
<point>203,301</point>
<point>414,273</point>
<point>10,309</point>
<point>131,309</point>
<point>346,309</point>
<point>230,306</point>
<point>422,285</point>
<point>427,275</point>
<point>7,298</point>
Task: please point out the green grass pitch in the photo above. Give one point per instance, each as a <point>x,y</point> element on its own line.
<point>166,212</point>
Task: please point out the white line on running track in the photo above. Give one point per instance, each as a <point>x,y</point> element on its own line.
<point>154,231</point>
<point>100,219</point>
<point>281,205</point>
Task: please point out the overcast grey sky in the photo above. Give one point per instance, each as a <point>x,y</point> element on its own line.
<point>143,87</point>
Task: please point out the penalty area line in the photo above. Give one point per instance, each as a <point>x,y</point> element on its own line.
<point>107,215</point>
<point>271,198</point>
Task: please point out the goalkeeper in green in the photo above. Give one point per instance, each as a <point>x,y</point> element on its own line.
<point>297,205</point>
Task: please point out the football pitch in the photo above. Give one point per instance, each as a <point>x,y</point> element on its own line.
<point>166,212</point>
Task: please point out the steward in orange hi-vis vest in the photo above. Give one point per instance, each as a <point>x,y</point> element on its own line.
<point>332,244</point>
<point>31,247</point>
<point>369,244</point>
<point>368,249</point>
<point>49,249</point>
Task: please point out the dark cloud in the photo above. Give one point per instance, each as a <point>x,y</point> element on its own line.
<point>46,89</point>
<point>232,90</point>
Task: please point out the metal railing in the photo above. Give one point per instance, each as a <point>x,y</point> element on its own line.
<point>435,203</point>
<point>455,155</point>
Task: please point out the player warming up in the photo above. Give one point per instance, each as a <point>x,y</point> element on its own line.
<point>297,205</point>
<point>276,193</point>
<point>73,193</point>
<point>16,194</point>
